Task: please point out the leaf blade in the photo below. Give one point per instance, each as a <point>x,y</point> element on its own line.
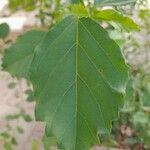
<point>113,15</point>
<point>64,68</point>
<point>18,57</point>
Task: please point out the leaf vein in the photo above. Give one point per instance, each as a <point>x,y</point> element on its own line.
<point>99,46</point>
<point>52,72</point>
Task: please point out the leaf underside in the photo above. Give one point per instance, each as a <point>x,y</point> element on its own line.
<point>78,76</point>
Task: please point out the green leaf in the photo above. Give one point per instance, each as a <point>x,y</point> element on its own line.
<point>140,118</point>
<point>20,129</point>
<point>8,146</point>
<point>79,77</point>
<point>115,16</point>
<point>4,30</point>
<point>14,141</point>
<point>75,1</point>
<point>28,5</point>
<point>30,95</point>
<point>78,10</point>
<point>12,117</point>
<point>49,142</point>
<point>35,144</point>
<point>27,118</point>
<point>18,57</point>
<point>5,135</point>
<point>11,85</point>
<point>114,2</point>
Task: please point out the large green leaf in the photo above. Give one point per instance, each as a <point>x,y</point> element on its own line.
<point>79,77</point>
<point>115,16</point>
<point>18,57</point>
<point>114,2</point>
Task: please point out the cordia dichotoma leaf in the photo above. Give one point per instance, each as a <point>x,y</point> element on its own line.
<point>18,57</point>
<point>79,76</point>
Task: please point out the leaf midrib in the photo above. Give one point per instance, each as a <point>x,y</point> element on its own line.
<point>76,122</point>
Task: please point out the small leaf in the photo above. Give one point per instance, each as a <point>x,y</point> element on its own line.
<point>18,57</point>
<point>140,118</point>
<point>30,95</point>
<point>35,144</point>
<point>113,15</point>
<point>8,146</point>
<point>14,141</point>
<point>78,10</point>
<point>27,117</point>
<point>75,1</point>
<point>4,30</point>
<point>12,117</point>
<point>5,135</point>
<point>20,130</point>
<point>11,85</point>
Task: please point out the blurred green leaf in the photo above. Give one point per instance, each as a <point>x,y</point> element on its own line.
<point>114,2</point>
<point>78,10</point>
<point>4,30</point>
<point>5,135</point>
<point>146,97</point>
<point>49,142</point>
<point>112,15</point>
<point>140,117</point>
<point>20,129</point>
<point>75,1</point>
<point>30,95</point>
<point>35,144</point>
<point>27,118</point>
<point>11,85</point>
<point>12,117</point>
<point>8,146</point>
<point>129,91</point>
<point>131,141</point>
<point>27,5</point>
<point>14,141</point>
